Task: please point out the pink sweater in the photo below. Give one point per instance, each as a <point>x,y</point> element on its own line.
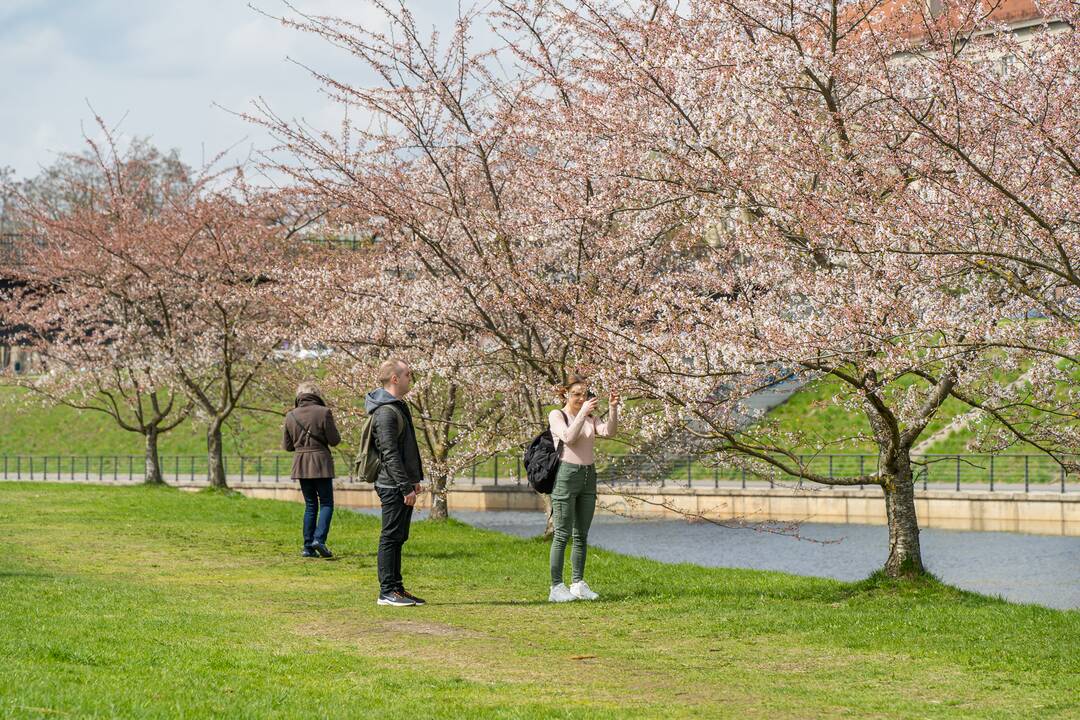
<point>579,437</point>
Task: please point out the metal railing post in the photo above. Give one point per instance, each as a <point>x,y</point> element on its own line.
<point>661,472</point>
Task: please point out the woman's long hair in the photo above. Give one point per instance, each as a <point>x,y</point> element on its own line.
<point>572,379</point>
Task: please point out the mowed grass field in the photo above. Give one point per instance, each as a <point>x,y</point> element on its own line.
<point>140,602</point>
<point>34,428</point>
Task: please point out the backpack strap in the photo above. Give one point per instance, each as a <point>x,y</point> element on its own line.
<point>307,431</point>
<point>561,444</point>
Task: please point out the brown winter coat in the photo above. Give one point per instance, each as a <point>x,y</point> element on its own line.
<point>312,445</point>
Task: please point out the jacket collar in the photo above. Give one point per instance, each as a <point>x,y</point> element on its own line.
<point>309,399</point>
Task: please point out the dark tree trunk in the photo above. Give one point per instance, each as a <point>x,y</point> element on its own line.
<point>214,456</point>
<point>549,525</point>
<point>905,556</point>
<point>439,510</point>
<point>152,474</point>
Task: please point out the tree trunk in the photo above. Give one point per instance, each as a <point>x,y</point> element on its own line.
<point>905,556</point>
<point>214,457</point>
<point>152,475</point>
<point>439,509</point>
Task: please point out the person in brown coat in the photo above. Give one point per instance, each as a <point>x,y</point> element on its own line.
<point>310,432</point>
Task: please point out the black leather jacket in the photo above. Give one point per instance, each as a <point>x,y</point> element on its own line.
<point>401,464</point>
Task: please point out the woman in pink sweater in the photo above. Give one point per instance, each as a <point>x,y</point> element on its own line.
<point>573,500</point>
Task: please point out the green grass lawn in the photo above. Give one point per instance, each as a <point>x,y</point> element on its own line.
<point>813,410</point>
<point>141,602</point>
<point>31,428</point>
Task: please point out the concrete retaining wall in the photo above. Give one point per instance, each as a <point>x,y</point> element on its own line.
<point>1037,513</point>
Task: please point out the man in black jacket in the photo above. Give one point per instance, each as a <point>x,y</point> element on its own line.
<point>399,478</point>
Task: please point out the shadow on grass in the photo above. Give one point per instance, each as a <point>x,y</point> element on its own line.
<point>221,492</point>
<point>24,574</point>
<point>445,555</point>
<point>373,554</point>
<point>489,603</point>
<point>913,587</point>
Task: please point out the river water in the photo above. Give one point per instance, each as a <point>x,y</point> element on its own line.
<point>1037,569</point>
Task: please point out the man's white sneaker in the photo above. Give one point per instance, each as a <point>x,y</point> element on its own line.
<point>560,593</point>
<point>582,591</point>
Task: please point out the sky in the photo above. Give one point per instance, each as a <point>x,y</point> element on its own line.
<point>161,68</point>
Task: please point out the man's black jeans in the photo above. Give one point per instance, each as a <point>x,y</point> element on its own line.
<point>396,517</point>
<point>318,509</point>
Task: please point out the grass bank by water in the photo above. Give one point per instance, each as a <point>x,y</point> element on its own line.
<point>144,602</point>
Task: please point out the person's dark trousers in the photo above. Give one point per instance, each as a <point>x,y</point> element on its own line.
<point>318,509</point>
<point>396,517</point>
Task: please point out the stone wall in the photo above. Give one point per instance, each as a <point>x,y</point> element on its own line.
<point>1046,513</point>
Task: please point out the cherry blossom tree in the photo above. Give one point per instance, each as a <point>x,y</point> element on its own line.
<point>762,129</point>
<point>227,302</point>
<point>376,307</point>
<point>468,241</point>
<point>183,280</point>
<point>95,350</point>
<point>691,199</point>
<point>984,100</point>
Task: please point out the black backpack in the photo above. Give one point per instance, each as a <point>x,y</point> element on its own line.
<point>542,461</point>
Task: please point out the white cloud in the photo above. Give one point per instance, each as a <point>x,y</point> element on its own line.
<point>162,66</point>
<point>40,46</point>
<point>12,9</point>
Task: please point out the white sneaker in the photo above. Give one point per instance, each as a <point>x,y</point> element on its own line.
<point>582,591</point>
<point>560,593</point>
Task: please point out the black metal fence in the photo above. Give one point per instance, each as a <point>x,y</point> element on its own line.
<point>932,471</point>
<point>178,468</point>
<point>1013,473</point>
